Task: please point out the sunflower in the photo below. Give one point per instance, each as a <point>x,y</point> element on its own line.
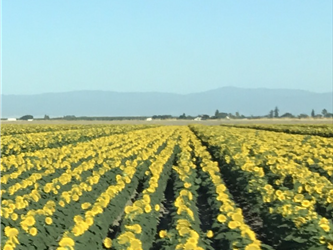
<point>85,205</point>
<point>107,242</point>
<point>252,246</point>
<point>147,208</point>
<point>157,207</point>
<point>209,234</point>
<point>221,218</point>
<point>136,228</point>
<point>66,242</point>
<point>233,224</point>
<point>163,233</point>
<point>29,221</point>
<point>33,231</point>
<point>48,220</point>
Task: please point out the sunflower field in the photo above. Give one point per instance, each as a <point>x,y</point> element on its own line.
<point>149,187</point>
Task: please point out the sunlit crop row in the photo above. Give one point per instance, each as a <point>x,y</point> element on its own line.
<point>75,186</point>
<point>15,129</point>
<point>185,232</point>
<point>138,226</point>
<point>229,218</point>
<point>286,159</point>
<point>244,156</point>
<point>15,144</point>
<point>168,187</point>
<point>54,161</point>
<point>325,130</point>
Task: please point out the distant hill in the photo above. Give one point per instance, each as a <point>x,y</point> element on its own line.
<point>108,103</point>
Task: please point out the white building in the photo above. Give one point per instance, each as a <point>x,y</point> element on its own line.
<point>149,119</point>
<point>11,119</point>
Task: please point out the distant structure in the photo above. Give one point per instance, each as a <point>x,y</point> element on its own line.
<point>220,115</point>
<point>30,120</point>
<point>11,119</point>
<point>149,119</point>
<point>197,118</point>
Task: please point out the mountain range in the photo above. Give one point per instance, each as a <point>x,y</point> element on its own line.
<point>247,102</point>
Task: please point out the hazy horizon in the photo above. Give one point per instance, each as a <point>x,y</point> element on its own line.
<point>164,92</point>
<point>104,103</point>
<point>174,47</point>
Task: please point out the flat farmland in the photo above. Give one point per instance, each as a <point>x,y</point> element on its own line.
<point>167,185</point>
<point>183,122</point>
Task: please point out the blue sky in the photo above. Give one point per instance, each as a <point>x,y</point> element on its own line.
<point>166,46</point>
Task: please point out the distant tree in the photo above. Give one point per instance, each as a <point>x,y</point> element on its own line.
<point>219,115</point>
<point>46,117</point>
<point>26,117</point>
<point>162,117</point>
<point>276,112</point>
<point>313,113</point>
<point>231,116</point>
<point>324,112</point>
<point>222,115</point>
<point>287,115</point>
<point>183,116</point>
<point>271,114</point>
<point>303,116</point>
<point>205,117</point>
<point>69,117</point>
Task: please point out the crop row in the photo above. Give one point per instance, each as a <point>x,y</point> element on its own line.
<point>15,129</point>
<point>15,144</point>
<point>41,215</point>
<point>317,130</point>
<point>296,211</point>
<point>110,193</point>
<point>169,188</point>
<point>138,225</point>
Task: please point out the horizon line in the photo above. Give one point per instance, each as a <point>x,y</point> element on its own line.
<point>162,92</point>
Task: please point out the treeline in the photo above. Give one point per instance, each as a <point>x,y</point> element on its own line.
<point>100,118</point>
<point>274,113</point>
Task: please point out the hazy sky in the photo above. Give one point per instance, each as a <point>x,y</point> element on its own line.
<point>171,46</point>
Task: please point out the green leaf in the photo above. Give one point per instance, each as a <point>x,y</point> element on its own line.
<point>322,247</point>
<point>198,181</point>
<point>294,238</point>
<point>219,236</point>
<point>266,247</point>
<point>231,236</point>
<point>283,226</point>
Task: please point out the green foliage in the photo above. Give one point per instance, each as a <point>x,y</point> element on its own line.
<point>26,117</point>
